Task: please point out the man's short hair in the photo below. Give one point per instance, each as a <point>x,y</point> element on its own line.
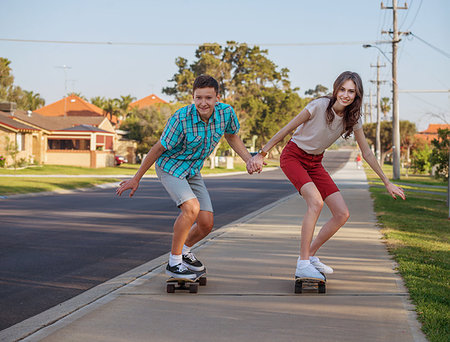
<point>206,81</point>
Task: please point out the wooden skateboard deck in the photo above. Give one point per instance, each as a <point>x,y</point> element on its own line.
<point>310,284</point>
<point>173,284</point>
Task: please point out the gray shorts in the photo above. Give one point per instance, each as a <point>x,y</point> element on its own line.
<point>182,190</point>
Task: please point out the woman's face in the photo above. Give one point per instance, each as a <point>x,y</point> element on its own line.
<point>346,93</point>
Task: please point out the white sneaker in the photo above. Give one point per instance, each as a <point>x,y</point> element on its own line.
<point>309,272</point>
<point>320,266</point>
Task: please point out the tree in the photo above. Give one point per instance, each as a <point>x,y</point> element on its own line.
<point>147,124</point>
<point>12,150</point>
<point>407,131</point>
<point>260,92</point>
<point>421,159</point>
<point>385,107</point>
<point>124,103</point>
<point>25,100</point>
<point>32,101</point>
<point>439,155</point>
<point>112,107</point>
<point>6,78</point>
<point>81,96</point>
<point>320,90</point>
<point>98,101</point>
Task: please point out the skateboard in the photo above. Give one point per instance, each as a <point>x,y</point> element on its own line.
<point>191,285</point>
<point>310,284</point>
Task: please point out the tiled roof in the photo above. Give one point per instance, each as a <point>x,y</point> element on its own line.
<point>147,101</point>
<point>8,121</point>
<point>52,123</point>
<point>431,132</point>
<point>74,106</point>
<point>433,128</point>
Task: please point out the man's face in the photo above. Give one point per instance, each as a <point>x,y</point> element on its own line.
<point>205,99</point>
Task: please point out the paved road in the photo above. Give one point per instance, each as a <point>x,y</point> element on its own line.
<point>55,247</point>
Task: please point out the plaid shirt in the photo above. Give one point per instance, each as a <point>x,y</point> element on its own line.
<point>189,141</point>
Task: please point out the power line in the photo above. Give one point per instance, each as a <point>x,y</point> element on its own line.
<point>180,44</point>
<point>418,10</point>
<point>430,45</point>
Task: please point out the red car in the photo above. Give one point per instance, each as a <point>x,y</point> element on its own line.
<point>120,160</point>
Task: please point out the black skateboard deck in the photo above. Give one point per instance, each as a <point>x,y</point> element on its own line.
<point>174,284</point>
<point>310,284</point>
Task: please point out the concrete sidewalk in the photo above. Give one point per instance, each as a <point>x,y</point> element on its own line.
<point>250,292</point>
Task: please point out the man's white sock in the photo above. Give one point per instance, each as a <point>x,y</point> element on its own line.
<point>175,259</point>
<point>186,249</point>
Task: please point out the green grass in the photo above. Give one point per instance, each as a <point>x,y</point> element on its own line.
<point>18,185</point>
<point>124,169</point>
<point>28,184</point>
<point>417,233</point>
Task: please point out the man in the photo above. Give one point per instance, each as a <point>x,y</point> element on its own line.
<point>189,137</point>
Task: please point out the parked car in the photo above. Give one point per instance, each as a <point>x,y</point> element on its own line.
<point>120,160</point>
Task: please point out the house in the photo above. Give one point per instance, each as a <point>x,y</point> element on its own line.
<point>25,137</point>
<point>87,141</point>
<point>73,105</point>
<point>431,132</point>
<point>147,101</point>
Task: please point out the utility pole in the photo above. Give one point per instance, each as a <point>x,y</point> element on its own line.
<point>395,115</point>
<point>378,134</point>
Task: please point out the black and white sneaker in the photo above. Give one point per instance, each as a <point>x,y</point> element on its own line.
<point>180,271</point>
<point>192,263</point>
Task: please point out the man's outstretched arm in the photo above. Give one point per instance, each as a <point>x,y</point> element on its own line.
<point>133,183</point>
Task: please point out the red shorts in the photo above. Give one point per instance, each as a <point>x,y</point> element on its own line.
<point>301,168</point>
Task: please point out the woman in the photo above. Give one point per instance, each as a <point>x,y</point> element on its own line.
<point>318,126</point>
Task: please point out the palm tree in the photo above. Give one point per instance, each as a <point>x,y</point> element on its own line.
<point>124,103</point>
<point>111,107</point>
<point>98,101</point>
<point>385,106</point>
<point>30,101</point>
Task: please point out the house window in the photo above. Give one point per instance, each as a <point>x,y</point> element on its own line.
<point>109,143</point>
<point>69,144</point>
<point>20,139</point>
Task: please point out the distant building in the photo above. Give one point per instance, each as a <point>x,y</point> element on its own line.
<point>147,101</point>
<point>88,141</point>
<point>431,132</point>
<point>73,105</point>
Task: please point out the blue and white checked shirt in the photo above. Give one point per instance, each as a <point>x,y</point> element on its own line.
<point>189,141</point>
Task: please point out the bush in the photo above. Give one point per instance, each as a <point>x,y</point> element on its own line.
<point>421,160</point>
<point>2,161</point>
<point>22,162</point>
<point>439,155</point>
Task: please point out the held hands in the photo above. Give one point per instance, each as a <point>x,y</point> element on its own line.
<point>255,164</point>
<point>127,185</point>
<point>395,191</point>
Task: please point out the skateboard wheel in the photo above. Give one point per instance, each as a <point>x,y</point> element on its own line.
<point>170,288</point>
<point>193,288</point>
<point>202,281</point>
<point>322,288</point>
<point>298,287</point>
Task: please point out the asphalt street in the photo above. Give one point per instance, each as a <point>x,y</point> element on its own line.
<point>54,247</point>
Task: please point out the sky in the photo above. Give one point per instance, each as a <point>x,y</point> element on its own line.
<point>315,40</point>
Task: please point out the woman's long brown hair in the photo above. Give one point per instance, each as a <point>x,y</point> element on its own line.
<point>352,112</point>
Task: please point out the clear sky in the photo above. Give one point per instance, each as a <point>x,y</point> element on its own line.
<point>114,70</point>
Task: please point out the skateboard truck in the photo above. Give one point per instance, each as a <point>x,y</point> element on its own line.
<point>173,284</point>
<point>310,284</point>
